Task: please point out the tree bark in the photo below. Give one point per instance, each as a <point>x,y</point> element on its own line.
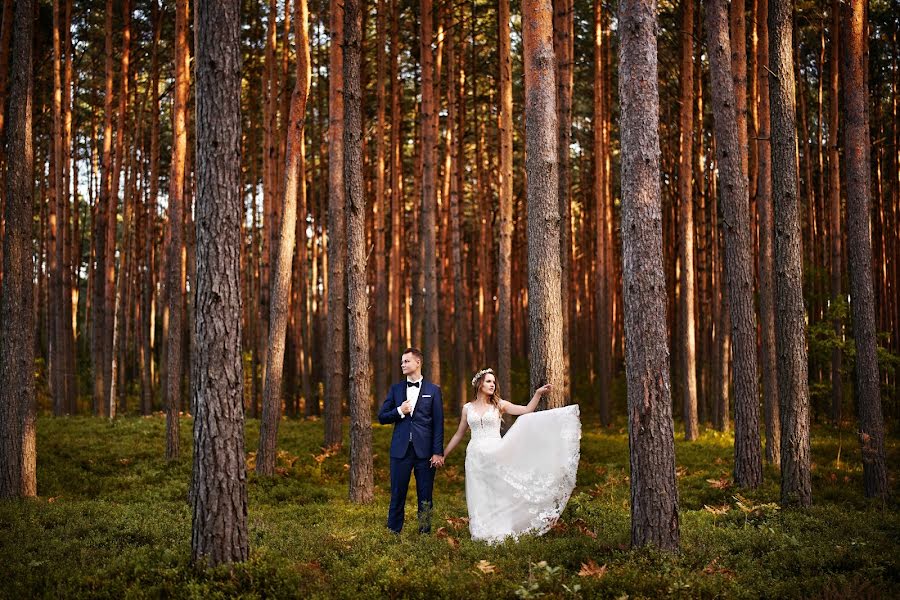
<point>769,364</point>
<point>654,494</point>
<point>99,234</point>
<point>336,338</point>
<point>604,274</point>
<point>687,327</point>
<point>544,264</point>
<point>112,287</point>
<point>62,361</point>
<point>119,276</point>
<point>455,120</point>
<point>736,220</point>
<point>362,486</point>
<point>834,197</point>
<point>563,29</point>
<point>398,232</point>
<point>790,325</point>
<point>18,452</point>
<point>283,267</point>
<point>219,531</point>
<point>5,37</point>
<point>175,255</point>
<point>147,302</point>
<point>381,205</point>
<point>859,248</point>
<point>427,222</point>
<point>504,269</point>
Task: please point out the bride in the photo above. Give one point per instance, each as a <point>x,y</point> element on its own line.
<point>519,483</point>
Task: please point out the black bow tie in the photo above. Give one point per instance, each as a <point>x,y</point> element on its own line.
<point>410,384</point>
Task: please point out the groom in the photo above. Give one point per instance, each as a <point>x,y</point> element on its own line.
<point>415,408</point>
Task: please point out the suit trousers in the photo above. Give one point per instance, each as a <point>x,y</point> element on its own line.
<point>401,469</point>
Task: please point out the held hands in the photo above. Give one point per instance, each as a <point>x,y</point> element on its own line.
<point>437,461</point>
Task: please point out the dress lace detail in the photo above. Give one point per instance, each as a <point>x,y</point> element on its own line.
<point>520,483</point>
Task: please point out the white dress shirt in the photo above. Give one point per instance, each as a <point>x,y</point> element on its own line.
<point>412,396</point>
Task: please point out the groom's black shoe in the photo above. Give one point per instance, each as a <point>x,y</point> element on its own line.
<point>425,511</point>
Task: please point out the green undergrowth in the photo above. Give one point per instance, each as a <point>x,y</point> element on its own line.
<point>112,521</point>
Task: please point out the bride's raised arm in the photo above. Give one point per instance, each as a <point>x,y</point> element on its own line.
<point>518,409</point>
<point>457,437</point>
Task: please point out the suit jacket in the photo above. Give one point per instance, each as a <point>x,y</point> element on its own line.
<point>424,429</point>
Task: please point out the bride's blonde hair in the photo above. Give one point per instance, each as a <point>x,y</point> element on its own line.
<point>478,379</point>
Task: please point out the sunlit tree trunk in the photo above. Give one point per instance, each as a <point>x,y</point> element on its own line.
<point>504,269</point>
<point>175,253</point>
<point>427,221</point>
<point>687,328</point>
<point>336,335</point>
<point>284,251</point>
<point>545,309</point>
<point>18,453</point>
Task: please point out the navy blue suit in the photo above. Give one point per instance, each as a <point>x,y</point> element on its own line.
<point>416,438</point>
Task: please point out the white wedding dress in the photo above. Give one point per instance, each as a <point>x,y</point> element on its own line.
<point>520,483</point>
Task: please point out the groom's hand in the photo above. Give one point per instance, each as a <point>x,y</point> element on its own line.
<point>437,460</point>
<point>406,407</point>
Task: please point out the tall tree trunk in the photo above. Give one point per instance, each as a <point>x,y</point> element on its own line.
<point>859,248</point>
<point>545,309</point>
<point>61,303</point>
<point>790,325</point>
<point>380,206</point>
<point>283,267</point>
<point>563,30</point>
<point>149,233</point>
<point>18,452</point>
<point>72,251</point>
<point>456,119</point>
<point>362,486</point>
<point>119,277</point>
<point>427,221</point>
<point>834,201</point>
<point>736,216</point>
<point>5,37</point>
<point>654,494</point>
<point>100,228</point>
<point>603,282</point>
<point>112,223</point>
<point>504,269</point>
<point>687,328</point>
<point>175,252</point>
<point>399,289</point>
<point>270,183</point>
<point>336,338</point>
<point>219,532</point>
<point>769,365</point>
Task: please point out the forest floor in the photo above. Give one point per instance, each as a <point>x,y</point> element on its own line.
<point>112,521</point>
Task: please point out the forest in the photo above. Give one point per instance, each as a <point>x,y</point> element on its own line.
<point>223,223</point>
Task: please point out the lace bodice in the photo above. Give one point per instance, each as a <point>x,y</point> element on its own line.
<point>484,426</point>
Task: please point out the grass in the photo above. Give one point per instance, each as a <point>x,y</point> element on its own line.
<point>112,521</point>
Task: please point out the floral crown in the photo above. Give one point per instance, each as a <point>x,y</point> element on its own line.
<point>481,374</point>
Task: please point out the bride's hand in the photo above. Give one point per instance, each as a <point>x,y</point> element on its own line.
<point>543,390</point>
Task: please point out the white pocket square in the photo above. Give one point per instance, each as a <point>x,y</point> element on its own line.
<point>426,395</point>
